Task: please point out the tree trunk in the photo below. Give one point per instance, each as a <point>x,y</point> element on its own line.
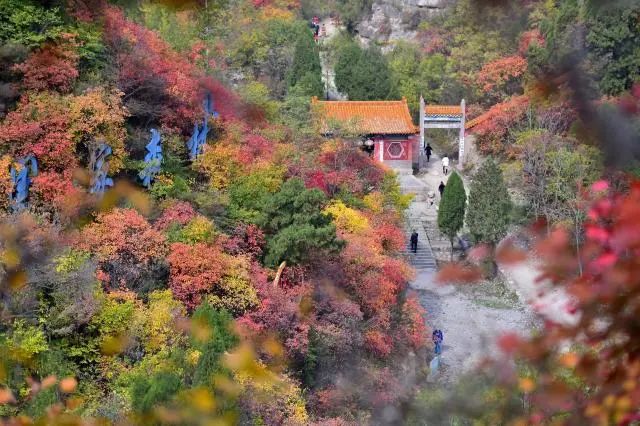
<point>451,241</point>
<point>576,230</point>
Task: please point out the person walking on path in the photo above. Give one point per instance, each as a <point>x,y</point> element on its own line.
<point>437,338</point>
<point>428,150</point>
<point>445,164</point>
<point>441,188</point>
<point>414,241</point>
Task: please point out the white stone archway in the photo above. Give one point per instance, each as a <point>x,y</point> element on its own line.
<point>443,117</point>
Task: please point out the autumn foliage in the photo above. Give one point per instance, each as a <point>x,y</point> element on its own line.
<point>495,132</point>
<point>580,369</point>
<point>195,270</point>
<point>54,67</point>
<point>187,308</point>
<point>167,87</point>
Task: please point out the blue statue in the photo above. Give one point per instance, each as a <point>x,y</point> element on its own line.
<point>199,136</point>
<point>22,181</point>
<point>152,160</point>
<point>209,109</point>
<point>99,168</point>
<point>195,148</point>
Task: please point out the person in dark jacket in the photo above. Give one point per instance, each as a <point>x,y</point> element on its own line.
<point>441,188</point>
<point>437,338</point>
<point>414,241</point>
<point>428,150</point>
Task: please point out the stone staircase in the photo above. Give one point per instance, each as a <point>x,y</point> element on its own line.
<point>440,245</point>
<point>423,259</point>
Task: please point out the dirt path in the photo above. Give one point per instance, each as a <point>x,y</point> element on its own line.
<point>550,302</point>
<point>469,318</point>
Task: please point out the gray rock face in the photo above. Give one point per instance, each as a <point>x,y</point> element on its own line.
<point>393,20</point>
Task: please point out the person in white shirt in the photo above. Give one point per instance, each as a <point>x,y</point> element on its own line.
<point>445,164</point>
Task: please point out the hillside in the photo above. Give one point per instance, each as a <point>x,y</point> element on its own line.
<point>186,239</point>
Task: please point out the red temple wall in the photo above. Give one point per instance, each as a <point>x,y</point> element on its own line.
<point>395,148</point>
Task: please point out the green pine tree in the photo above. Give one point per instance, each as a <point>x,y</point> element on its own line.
<point>306,71</point>
<point>489,205</point>
<point>363,75</point>
<point>295,225</point>
<point>346,67</point>
<point>452,207</point>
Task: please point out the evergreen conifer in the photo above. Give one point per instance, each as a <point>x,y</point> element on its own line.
<point>306,71</point>
<point>452,207</point>
<point>489,205</point>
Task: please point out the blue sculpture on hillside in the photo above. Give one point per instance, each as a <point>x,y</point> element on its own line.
<point>199,136</point>
<point>99,169</point>
<point>21,180</point>
<point>153,159</point>
<point>193,144</point>
<point>209,108</point>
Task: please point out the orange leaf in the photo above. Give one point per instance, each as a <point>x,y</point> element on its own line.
<point>509,254</point>
<point>526,385</point>
<point>458,273</point>
<point>48,381</point>
<point>68,384</point>
<point>479,252</point>
<point>569,359</point>
<point>6,396</point>
<point>509,342</point>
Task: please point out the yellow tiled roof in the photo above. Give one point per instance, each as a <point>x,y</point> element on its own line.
<point>452,110</point>
<point>370,117</point>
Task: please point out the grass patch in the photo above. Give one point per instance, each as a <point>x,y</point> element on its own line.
<point>494,294</point>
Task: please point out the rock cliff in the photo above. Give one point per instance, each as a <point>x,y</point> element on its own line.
<point>392,20</point>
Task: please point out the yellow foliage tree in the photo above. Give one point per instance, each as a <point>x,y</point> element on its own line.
<point>374,202</point>
<point>99,116</point>
<point>158,320</point>
<point>269,389</point>
<point>219,164</point>
<point>234,292</point>
<point>347,219</point>
<point>5,181</point>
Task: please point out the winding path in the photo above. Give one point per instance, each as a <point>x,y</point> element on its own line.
<point>469,326</point>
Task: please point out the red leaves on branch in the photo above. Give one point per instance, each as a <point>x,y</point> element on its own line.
<point>494,129</point>
<point>54,67</point>
<point>378,343</point>
<point>458,273</point>
<point>414,331</point>
<point>195,270</point>
<point>390,237</point>
<point>56,189</point>
<point>161,81</point>
<point>529,38</point>
<point>499,71</point>
<point>255,149</point>
<point>125,246</point>
<point>316,179</point>
<point>606,295</point>
<point>284,312</point>
<point>246,239</point>
<point>40,126</point>
<point>180,212</point>
<point>123,234</point>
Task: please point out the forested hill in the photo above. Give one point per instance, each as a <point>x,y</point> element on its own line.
<point>257,279</point>
<point>179,245</point>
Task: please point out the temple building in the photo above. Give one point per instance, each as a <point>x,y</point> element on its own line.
<point>384,128</point>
